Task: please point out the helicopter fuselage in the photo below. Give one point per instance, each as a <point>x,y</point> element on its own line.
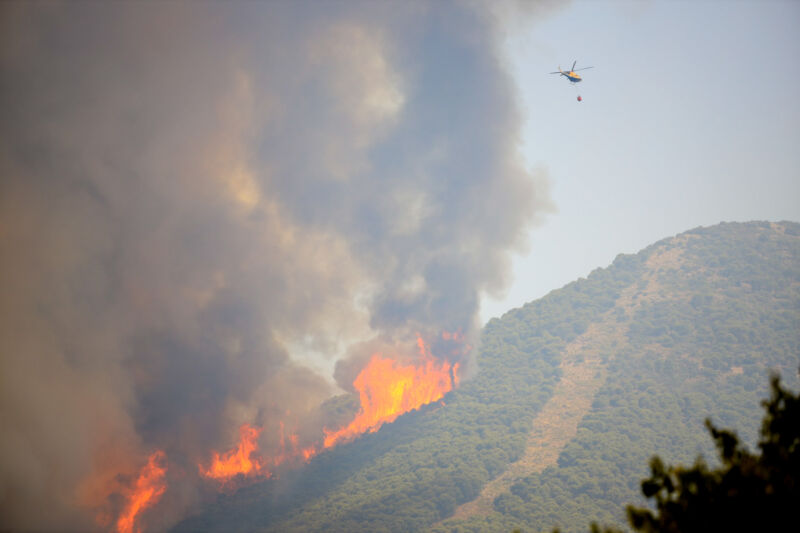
<point>572,76</point>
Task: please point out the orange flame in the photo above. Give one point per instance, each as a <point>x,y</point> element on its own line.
<point>294,452</point>
<point>388,389</point>
<point>148,489</point>
<point>245,460</point>
<point>308,453</point>
<point>238,461</point>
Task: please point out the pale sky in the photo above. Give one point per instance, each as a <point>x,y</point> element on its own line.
<point>690,117</point>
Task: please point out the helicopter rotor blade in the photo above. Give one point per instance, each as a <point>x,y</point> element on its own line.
<point>573,65</point>
<point>584,68</point>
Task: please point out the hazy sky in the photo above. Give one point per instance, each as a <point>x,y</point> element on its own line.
<point>689,117</point>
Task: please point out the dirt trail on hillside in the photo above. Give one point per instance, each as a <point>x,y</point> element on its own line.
<point>583,373</point>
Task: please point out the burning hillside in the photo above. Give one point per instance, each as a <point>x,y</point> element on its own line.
<point>205,217</point>
<point>387,389</point>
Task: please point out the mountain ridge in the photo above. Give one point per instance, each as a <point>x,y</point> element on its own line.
<point>684,329</point>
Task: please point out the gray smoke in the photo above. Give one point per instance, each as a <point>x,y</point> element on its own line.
<point>195,198</point>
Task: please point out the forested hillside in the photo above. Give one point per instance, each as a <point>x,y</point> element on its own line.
<point>575,392</point>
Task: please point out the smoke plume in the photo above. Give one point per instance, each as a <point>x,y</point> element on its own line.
<point>204,204</point>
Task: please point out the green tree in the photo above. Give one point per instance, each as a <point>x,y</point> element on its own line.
<point>747,492</point>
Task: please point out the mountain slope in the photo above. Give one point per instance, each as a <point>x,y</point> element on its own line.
<point>575,392</point>
<point>712,310</point>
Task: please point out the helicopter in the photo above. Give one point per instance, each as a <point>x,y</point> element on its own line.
<point>571,74</point>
